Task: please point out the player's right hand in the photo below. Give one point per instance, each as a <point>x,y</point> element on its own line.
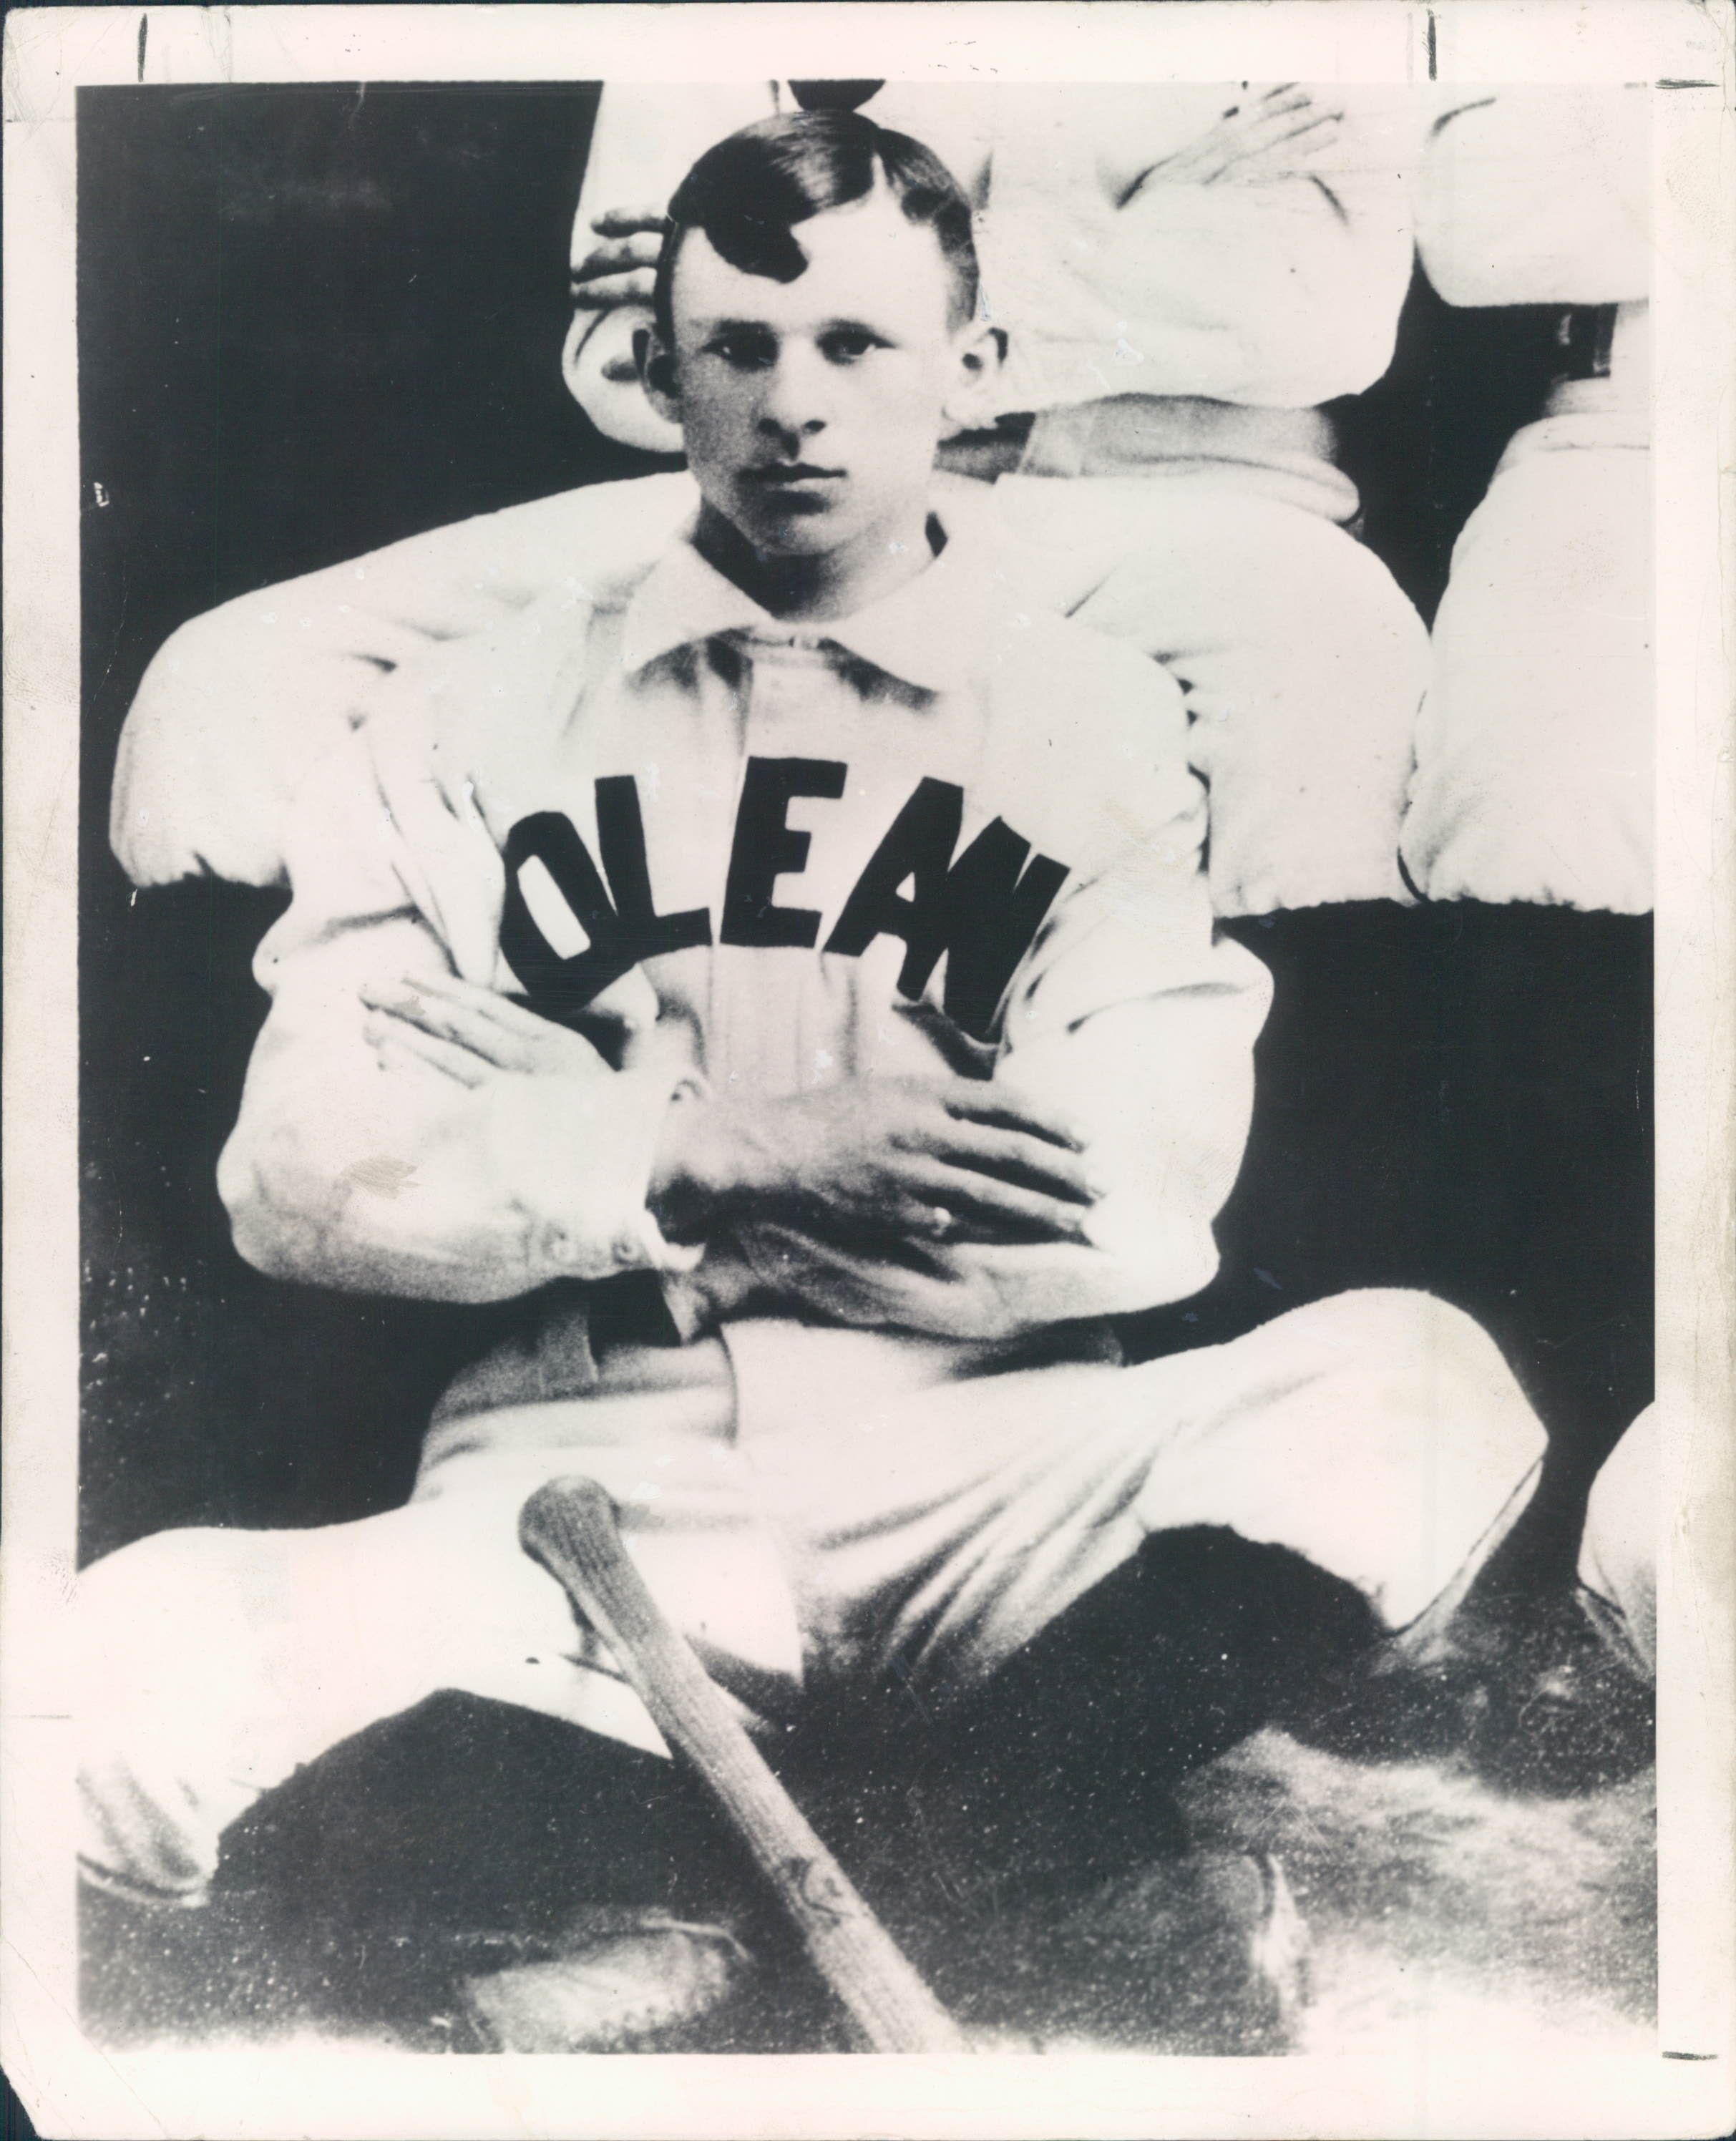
<point>620,269</point>
<point>928,1159</point>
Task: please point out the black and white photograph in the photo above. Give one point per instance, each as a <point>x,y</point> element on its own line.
<point>865,1128</point>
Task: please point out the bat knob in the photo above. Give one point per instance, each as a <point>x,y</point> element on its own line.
<point>564,1521</point>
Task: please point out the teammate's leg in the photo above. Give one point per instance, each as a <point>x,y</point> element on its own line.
<point>1618,1563</point>
<point>239,702</point>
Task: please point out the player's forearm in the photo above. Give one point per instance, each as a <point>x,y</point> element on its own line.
<point>331,1191</point>
<point>1003,1291</point>
<point>340,1174</point>
<point>305,1227</point>
<point>979,1292</point>
<point>910,1159</point>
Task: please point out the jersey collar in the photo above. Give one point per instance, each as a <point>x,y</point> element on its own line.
<point>931,631</point>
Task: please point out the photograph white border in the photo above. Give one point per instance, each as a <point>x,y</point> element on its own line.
<point>1442,2090</point>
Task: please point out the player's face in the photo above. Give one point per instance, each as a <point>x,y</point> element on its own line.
<point>812,409</point>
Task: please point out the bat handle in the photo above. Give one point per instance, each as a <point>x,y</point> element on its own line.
<point>569,1525</point>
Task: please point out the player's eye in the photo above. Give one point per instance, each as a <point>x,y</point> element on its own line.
<point>742,351</point>
<point>848,345</point>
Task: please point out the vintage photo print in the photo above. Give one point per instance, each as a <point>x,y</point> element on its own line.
<point>868,1134</point>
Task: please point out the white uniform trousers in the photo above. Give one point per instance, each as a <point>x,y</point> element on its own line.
<point>808,1504</point>
<point>1535,746</point>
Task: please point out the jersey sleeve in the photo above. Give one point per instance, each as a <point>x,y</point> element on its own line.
<point>1138,1022</point>
<point>377,1175</point>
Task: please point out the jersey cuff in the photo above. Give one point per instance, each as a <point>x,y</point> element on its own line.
<point>604,1223</point>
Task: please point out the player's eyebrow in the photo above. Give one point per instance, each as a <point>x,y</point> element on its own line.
<point>842,324</point>
<point>727,325</point>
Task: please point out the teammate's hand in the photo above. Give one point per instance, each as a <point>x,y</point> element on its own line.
<point>620,269</point>
<point>1277,136</point>
<point>921,1159</point>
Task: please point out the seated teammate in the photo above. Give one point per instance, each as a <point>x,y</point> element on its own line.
<point>790,981</point>
<point>1534,773</point>
<point>1181,283</point>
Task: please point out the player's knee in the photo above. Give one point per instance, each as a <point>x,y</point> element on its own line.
<point>145,1615</point>
<point>153,1626</point>
<point>1407,1363</point>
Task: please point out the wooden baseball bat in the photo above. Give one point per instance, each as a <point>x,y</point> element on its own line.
<point>569,1527</point>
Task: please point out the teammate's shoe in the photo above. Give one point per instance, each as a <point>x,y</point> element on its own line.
<point>1569,1708</point>
<point>619,1981</point>
<point>1537,1695</point>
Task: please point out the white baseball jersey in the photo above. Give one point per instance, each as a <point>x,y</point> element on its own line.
<point>945,834</point>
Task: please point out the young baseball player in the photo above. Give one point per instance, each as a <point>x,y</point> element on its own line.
<point>1184,273</point>
<point>790,981</point>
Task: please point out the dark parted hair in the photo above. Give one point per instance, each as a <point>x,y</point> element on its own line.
<point>750,191</point>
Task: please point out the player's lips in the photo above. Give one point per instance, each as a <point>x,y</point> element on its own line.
<point>779,475</point>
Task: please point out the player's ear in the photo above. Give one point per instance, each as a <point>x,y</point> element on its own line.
<point>657,373</point>
<point>979,350</point>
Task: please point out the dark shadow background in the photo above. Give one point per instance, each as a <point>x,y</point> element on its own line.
<point>314,320</point>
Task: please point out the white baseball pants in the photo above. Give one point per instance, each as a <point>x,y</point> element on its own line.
<point>805,1503</point>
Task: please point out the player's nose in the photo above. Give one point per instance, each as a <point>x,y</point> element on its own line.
<point>794,405</point>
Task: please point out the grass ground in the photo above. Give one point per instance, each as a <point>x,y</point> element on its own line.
<point>1428,1905</point>
<point>1435,1904</point>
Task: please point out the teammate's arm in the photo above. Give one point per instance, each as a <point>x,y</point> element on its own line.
<point>1266,260</point>
<point>1282,134</point>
